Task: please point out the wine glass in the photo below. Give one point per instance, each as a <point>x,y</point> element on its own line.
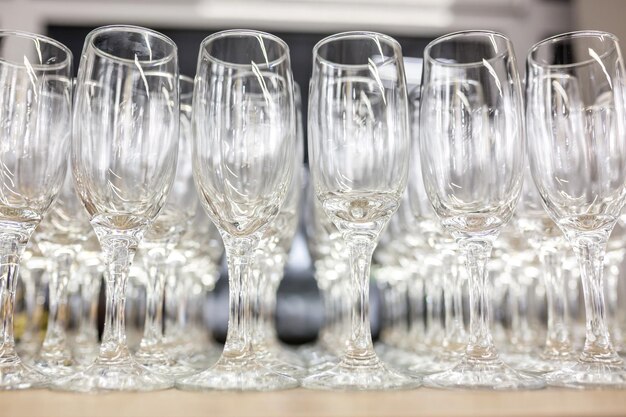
<point>472,156</point>
<point>35,114</point>
<point>359,158</point>
<point>60,237</point>
<point>124,153</point>
<point>244,144</point>
<point>576,115</point>
<point>163,236</point>
<point>271,258</point>
<point>432,240</point>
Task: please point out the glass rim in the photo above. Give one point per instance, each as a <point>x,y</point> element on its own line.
<point>356,34</point>
<point>39,38</point>
<point>284,56</point>
<point>131,29</point>
<point>462,33</point>
<point>571,35</point>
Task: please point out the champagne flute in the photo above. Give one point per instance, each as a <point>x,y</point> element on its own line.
<point>244,144</point>
<point>60,237</point>
<point>124,153</point>
<point>163,236</point>
<point>576,115</point>
<point>359,158</point>
<point>35,114</point>
<point>472,156</point>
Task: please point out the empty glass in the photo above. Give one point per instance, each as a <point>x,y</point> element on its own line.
<point>124,153</point>
<point>35,114</point>
<point>472,156</point>
<point>359,158</point>
<point>244,143</point>
<point>576,115</point>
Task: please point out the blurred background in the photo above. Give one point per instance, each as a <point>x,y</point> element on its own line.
<point>302,23</point>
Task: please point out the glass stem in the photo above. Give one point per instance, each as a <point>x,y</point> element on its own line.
<point>558,344</point>
<point>260,280</point>
<point>416,308</point>
<point>119,253</point>
<point>238,338</point>
<point>590,249</point>
<point>433,309</point>
<point>480,347</point>
<point>12,246</point>
<point>55,340</point>
<point>91,296</point>
<point>455,338</point>
<point>156,265</point>
<point>360,347</point>
<point>612,298</point>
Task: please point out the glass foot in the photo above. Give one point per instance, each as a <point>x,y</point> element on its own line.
<point>126,375</point>
<point>536,364</point>
<point>14,374</point>
<point>427,365</point>
<point>199,360</point>
<point>396,357</point>
<point>157,361</point>
<point>244,373</point>
<point>373,376</point>
<point>316,355</point>
<point>282,367</point>
<point>589,375</point>
<point>490,375</point>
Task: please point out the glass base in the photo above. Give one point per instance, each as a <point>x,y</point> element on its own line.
<point>54,368</point>
<point>373,375</point>
<point>243,373</point>
<point>534,364</point>
<point>14,375</point>
<point>157,361</point>
<point>489,375</point>
<point>589,375</point>
<point>396,357</point>
<point>316,355</point>
<point>200,360</point>
<point>282,367</point>
<point>428,365</point>
<point>125,375</point>
<point>85,354</point>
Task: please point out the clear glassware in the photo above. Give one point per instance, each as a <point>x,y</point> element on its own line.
<point>33,275</point>
<point>124,154</point>
<point>548,242</point>
<point>160,240</point>
<point>244,124</point>
<point>60,237</point>
<point>577,125</point>
<point>269,265</point>
<point>195,267</point>
<point>331,266</point>
<point>614,298</point>
<point>359,157</point>
<point>35,112</point>
<point>85,344</point>
<point>472,157</point>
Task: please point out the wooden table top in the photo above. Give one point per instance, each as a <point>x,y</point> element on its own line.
<point>301,403</point>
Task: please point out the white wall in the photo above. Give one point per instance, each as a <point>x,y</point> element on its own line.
<point>525,21</point>
<point>607,15</point>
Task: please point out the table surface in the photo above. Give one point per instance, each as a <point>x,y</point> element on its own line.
<point>301,403</point>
